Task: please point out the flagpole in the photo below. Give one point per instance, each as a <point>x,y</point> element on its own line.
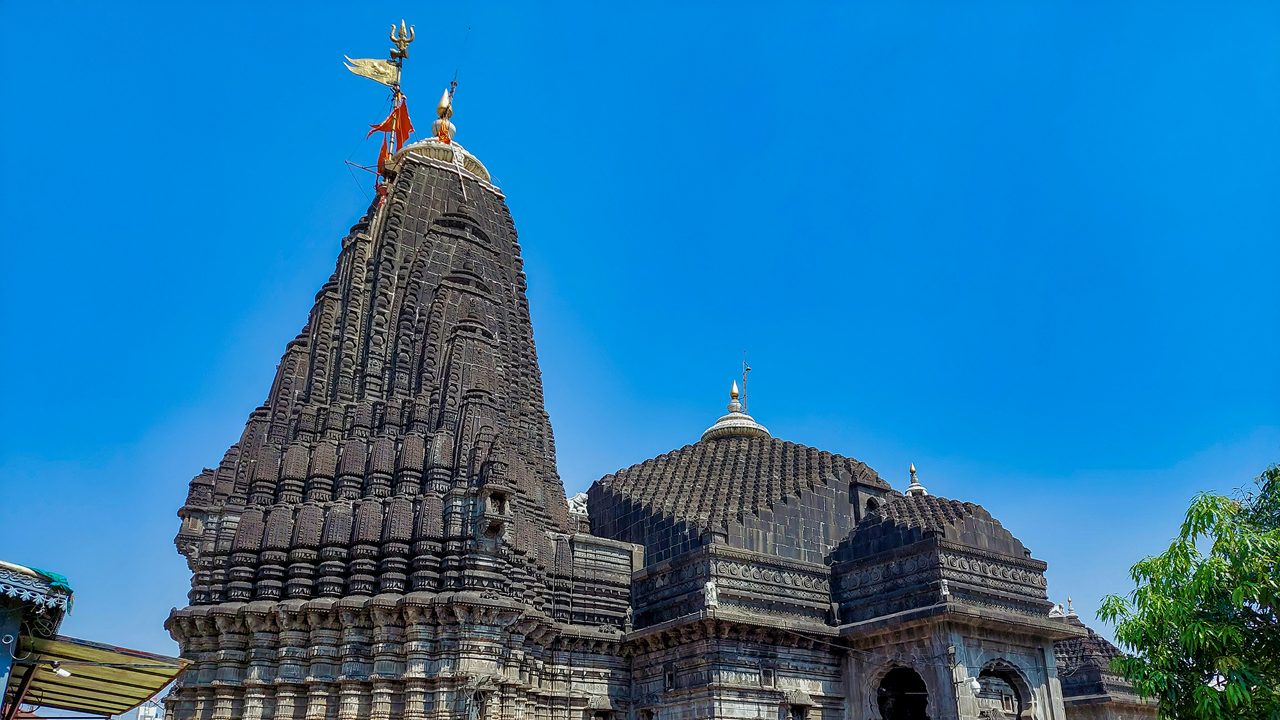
<point>401,40</point>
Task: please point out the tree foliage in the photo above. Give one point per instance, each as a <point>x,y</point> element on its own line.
<point>1202,622</point>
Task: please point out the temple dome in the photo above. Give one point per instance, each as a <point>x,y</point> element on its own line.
<point>737,484</point>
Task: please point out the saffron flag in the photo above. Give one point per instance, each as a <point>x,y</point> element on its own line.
<point>388,125</point>
<point>397,123</point>
<point>382,157</point>
<point>403,125</point>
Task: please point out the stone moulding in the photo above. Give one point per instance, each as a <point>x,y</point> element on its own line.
<point>742,579</point>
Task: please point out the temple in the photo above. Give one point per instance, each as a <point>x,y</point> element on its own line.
<point>389,539</point>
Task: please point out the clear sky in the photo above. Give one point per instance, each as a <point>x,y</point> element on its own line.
<point>1031,247</point>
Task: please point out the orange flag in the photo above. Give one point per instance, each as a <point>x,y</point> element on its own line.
<point>388,125</point>
<point>398,123</point>
<point>403,125</point>
<point>382,157</point>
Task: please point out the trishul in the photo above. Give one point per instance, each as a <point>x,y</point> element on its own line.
<point>402,40</point>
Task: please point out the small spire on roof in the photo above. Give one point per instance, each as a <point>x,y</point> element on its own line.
<point>737,422</point>
<point>445,108</point>
<point>1071,611</point>
<point>442,128</point>
<point>915,488</point>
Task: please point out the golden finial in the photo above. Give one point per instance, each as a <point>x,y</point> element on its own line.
<point>735,405</point>
<point>913,471</point>
<point>442,128</point>
<point>445,108</point>
<point>402,40</point>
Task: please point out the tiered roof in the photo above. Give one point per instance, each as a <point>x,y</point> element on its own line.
<point>906,519</point>
<point>725,479</point>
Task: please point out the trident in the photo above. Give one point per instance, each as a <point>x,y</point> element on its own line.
<point>401,40</point>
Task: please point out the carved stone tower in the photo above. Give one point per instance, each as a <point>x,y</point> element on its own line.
<point>390,537</point>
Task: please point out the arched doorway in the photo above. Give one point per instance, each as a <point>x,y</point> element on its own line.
<point>902,695</point>
<point>1005,693</point>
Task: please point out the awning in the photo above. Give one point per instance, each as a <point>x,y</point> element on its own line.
<point>103,680</point>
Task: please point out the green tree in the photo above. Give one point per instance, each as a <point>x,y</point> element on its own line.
<point>1202,625</point>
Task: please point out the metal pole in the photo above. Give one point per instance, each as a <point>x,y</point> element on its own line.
<point>21,695</point>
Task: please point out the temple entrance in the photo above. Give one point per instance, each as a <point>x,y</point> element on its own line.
<point>1004,693</point>
<point>902,695</point>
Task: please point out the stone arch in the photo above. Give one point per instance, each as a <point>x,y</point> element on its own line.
<point>898,691</point>
<point>1000,679</point>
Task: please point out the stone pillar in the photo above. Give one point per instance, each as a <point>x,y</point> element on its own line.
<point>290,702</point>
<point>1053,707</point>
<point>324,662</point>
<point>852,678</point>
<point>946,701</point>
<point>261,672</point>
<point>382,700</point>
<point>349,700</point>
<point>355,660</point>
<point>388,660</point>
<point>318,701</point>
<point>232,641</point>
<point>415,699</point>
<point>205,704</point>
<point>255,701</point>
<point>224,703</point>
<point>291,660</point>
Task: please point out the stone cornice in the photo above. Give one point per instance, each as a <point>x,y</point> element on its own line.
<point>999,620</point>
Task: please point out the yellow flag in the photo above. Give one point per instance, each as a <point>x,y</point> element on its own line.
<point>381,71</point>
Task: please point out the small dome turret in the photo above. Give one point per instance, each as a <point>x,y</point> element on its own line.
<point>736,423</point>
<point>915,488</point>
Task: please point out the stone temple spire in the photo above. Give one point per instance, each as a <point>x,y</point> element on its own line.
<point>404,445</point>
<point>736,423</point>
<point>394,502</point>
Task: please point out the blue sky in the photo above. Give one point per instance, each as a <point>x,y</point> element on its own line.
<point>1030,247</point>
